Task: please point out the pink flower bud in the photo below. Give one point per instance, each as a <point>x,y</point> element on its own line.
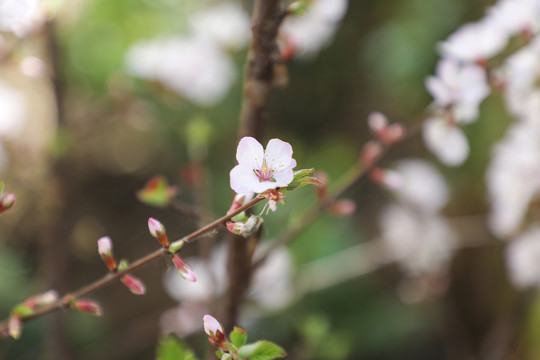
<point>134,284</point>
<point>371,152</point>
<point>15,325</point>
<point>87,306</point>
<point>183,268</point>
<point>41,300</point>
<point>6,202</point>
<point>377,122</point>
<point>105,251</point>
<point>213,330</point>
<point>157,230</point>
<point>235,227</point>
<point>342,208</point>
<point>393,134</point>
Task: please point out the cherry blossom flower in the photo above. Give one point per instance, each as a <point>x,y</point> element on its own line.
<point>522,259</point>
<point>475,42</point>
<point>462,87</point>
<point>446,140</point>
<point>225,24</point>
<point>259,170</point>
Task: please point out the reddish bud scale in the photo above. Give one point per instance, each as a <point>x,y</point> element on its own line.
<point>110,262</point>
<point>322,190</point>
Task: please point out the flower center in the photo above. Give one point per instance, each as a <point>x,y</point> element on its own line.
<point>265,173</point>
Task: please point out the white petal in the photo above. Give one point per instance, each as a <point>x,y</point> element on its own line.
<point>243,180</point>
<point>446,141</point>
<point>284,177</point>
<point>250,152</point>
<point>440,92</point>
<point>262,186</point>
<point>278,154</point>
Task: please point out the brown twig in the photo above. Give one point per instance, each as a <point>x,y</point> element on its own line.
<point>109,278</point>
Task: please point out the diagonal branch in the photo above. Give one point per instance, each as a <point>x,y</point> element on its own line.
<point>109,278</point>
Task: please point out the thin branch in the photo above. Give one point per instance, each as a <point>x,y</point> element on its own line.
<point>109,278</point>
<point>357,172</point>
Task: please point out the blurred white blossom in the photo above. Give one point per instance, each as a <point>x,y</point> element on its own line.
<point>311,31</point>
<point>477,41</point>
<point>513,177</point>
<point>13,114</point>
<point>460,87</point>
<point>193,67</point>
<point>21,17</point>
<point>421,243</point>
<point>422,186</point>
<point>519,74</point>
<point>516,16</point>
<point>271,285</point>
<point>446,140</point>
<point>522,256</point>
<point>225,24</point>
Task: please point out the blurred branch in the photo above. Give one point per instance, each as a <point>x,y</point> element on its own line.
<point>109,278</point>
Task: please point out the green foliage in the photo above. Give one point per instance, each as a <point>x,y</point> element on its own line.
<point>301,178</point>
<point>156,192</point>
<point>172,348</point>
<point>261,350</point>
<point>238,337</point>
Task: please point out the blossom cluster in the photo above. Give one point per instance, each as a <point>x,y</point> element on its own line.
<point>461,81</point>
<point>465,76</point>
<point>197,66</point>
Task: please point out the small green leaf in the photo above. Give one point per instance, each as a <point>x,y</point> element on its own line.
<point>219,353</point>
<point>261,350</point>
<point>238,336</point>
<point>22,310</point>
<point>1,189</point>
<point>241,217</point>
<point>172,348</point>
<point>301,178</point>
<point>156,192</point>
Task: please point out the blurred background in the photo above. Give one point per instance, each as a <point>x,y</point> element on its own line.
<point>88,114</point>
